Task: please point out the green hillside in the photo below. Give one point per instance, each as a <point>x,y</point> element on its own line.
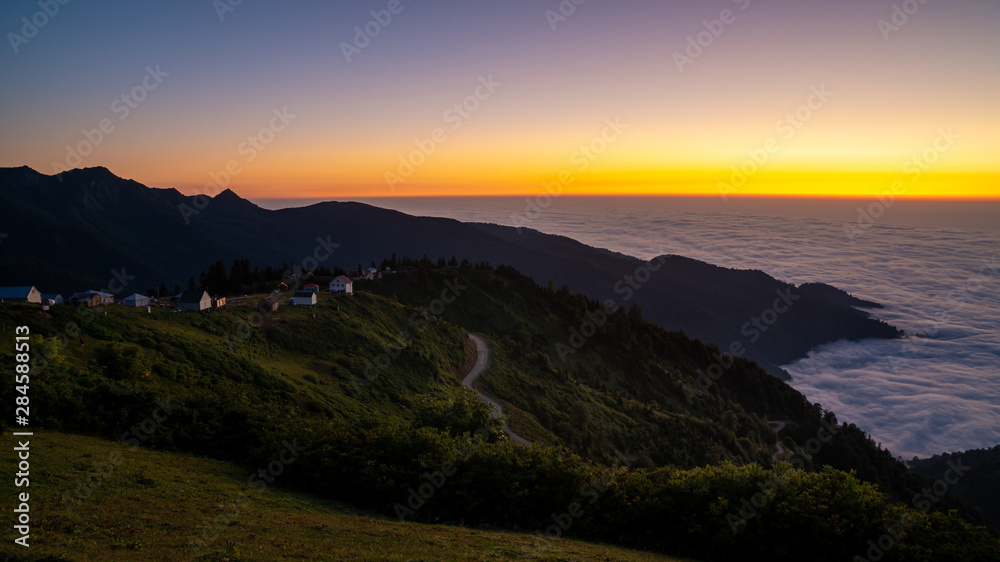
<point>148,505</point>
<point>630,448</point>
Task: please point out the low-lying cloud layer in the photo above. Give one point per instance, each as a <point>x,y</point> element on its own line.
<point>937,390</point>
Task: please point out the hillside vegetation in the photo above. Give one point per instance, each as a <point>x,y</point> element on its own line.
<point>630,449</point>
<point>149,505</point>
<point>980,482</point>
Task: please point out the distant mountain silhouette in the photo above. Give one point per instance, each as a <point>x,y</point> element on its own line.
<point>87,227</point>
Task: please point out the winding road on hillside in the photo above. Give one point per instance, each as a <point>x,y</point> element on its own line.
<point>482,363</point>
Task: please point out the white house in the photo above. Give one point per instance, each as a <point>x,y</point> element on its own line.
<point>304,298</point>
<point>136,300</point>
<point>342,284</point>
<point>20,294</point>
<point>194,300</point>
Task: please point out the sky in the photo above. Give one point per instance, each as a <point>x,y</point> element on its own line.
<point>389,98</point>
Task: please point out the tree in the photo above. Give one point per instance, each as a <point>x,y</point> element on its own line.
<point>216,281</point>
<point>240,276</point>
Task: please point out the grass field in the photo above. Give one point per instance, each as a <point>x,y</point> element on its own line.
<point>149,505</point>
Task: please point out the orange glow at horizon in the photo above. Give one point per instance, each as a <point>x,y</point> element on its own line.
<point>786,184</point>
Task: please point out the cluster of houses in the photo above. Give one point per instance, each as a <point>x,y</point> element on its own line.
<point>30,294</point>
<point>368,273</point>
<point>188,300</point>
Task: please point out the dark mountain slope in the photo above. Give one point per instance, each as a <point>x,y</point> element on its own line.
<point>87,228</point>
<point>976,475</point>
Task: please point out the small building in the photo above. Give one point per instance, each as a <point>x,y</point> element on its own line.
<point>88,297</point>
<point>218,302</point>
<point>342,284</point>
<point>136,300</point>
<point>87,300</point>
<point>20,294</point>
<point>270,304</point>
<point>282,287</point>
<point>304,298</point>
<point>194,300</point>
<point>55,298</point>
<point>312,287</point>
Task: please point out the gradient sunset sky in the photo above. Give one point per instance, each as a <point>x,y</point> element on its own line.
<point>900,96</point>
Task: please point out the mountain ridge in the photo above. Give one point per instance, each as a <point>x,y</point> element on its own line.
<point>158,235</point>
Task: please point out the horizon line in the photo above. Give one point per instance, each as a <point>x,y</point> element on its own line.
<point>872,197</point>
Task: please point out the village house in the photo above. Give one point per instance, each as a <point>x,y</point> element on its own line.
<point>87,297</point>
<point>218,302</point>
<point>20,294</point>
<point>304,298</point>
<point>136,300</point>
<point>194,300</point>
<point>88,300</point>
<point>282,287</point>
<point>312,287</point>
<point>52,298</point>
<point>270,304</point>
<point>342,284</point>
